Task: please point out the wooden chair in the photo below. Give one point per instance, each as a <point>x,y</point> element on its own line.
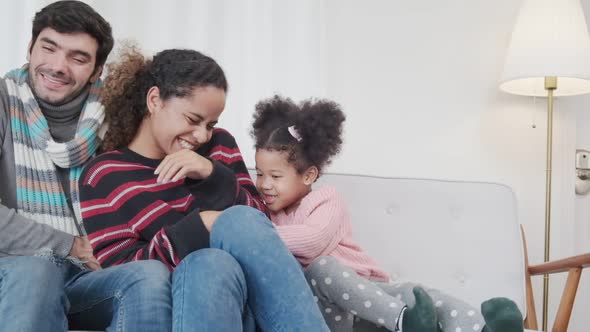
<point>573,266</point>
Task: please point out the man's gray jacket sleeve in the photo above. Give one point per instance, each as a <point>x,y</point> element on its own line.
<point>23,236</point>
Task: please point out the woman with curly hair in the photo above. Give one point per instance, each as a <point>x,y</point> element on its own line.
<point>293,145</point>
<point>167,188</point>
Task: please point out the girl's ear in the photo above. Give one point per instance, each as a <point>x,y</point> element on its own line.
<point>153,101</point>
<point>311,174</point>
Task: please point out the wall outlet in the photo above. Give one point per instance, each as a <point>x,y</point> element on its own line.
<point>582,159</point>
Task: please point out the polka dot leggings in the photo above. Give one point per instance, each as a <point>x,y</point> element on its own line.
<point>345,298</point>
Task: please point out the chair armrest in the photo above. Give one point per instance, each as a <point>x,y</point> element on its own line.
<point>561,265</point>
<point>573,265</point>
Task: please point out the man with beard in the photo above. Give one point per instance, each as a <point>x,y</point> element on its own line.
<point>50,117</point>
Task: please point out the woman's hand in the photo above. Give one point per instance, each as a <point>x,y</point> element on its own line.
<point>182,164</point>
<point>82,250</point>
<point>209,218</point>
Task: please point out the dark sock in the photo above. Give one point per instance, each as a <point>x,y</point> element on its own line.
<point>422,316</point>
<point>501,315</point>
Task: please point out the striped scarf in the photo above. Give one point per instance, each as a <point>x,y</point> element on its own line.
<point>39,192</point>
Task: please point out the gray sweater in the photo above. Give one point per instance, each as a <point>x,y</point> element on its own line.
<point>24,236</point>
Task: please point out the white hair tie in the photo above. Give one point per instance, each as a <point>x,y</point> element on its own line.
<point>294,133</point>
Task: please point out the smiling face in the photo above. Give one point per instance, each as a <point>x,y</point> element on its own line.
<point>279,183</point>
<point>62,64</point>
<point>180,122</point>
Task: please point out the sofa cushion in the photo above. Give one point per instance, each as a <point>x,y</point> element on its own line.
<point>460,237</point>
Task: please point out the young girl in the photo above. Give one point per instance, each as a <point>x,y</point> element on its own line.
<point>293,145</point>
<point>167,189</point>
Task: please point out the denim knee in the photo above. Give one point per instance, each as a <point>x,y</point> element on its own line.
<point>241,223</point>
<point>246,214</point>
<point>146,276</point>
<point>206,261</point>
<point>36,275</point>
<point>150,271</point>
<point>31,270</point>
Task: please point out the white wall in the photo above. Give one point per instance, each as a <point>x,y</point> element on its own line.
<point>582,203</point>
<point>581,110</point>
<point>265,46</point>
<point>417,78</point>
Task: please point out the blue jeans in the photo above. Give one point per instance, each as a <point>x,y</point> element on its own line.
<point>37,294</point>
<point>247,272</point>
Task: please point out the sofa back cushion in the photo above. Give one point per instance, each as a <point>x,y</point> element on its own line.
<point>460,237</point>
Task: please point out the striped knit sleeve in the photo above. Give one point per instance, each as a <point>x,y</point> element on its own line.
<point>223,148</point>
<point>324,213</point>
<point>127,218</point>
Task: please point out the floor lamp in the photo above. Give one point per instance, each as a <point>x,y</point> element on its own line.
<point>548,56</point>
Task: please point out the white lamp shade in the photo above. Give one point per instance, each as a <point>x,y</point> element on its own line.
<point>550,38</point>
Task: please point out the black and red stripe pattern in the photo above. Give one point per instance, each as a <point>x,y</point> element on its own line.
<point>129,216</point>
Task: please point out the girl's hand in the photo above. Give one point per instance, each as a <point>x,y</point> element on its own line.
<point>182,164</point>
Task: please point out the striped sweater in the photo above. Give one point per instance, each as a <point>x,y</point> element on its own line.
<point>129,216</point>
<point>320,226</point>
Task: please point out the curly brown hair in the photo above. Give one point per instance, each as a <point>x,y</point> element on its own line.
<point>317,122</point>
<point>176,72</point>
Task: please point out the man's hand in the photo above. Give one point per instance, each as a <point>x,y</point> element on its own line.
<point>82,250</point>
<point>209,218</point>
<point>182,164</point>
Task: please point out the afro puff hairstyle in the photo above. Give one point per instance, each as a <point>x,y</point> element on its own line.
<point>309,133</point>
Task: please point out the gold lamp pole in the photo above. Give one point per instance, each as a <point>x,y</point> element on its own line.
<point>549,41</point>
<point>550,86</point>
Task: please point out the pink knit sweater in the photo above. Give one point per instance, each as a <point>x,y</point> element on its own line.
<point>321,226</point>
